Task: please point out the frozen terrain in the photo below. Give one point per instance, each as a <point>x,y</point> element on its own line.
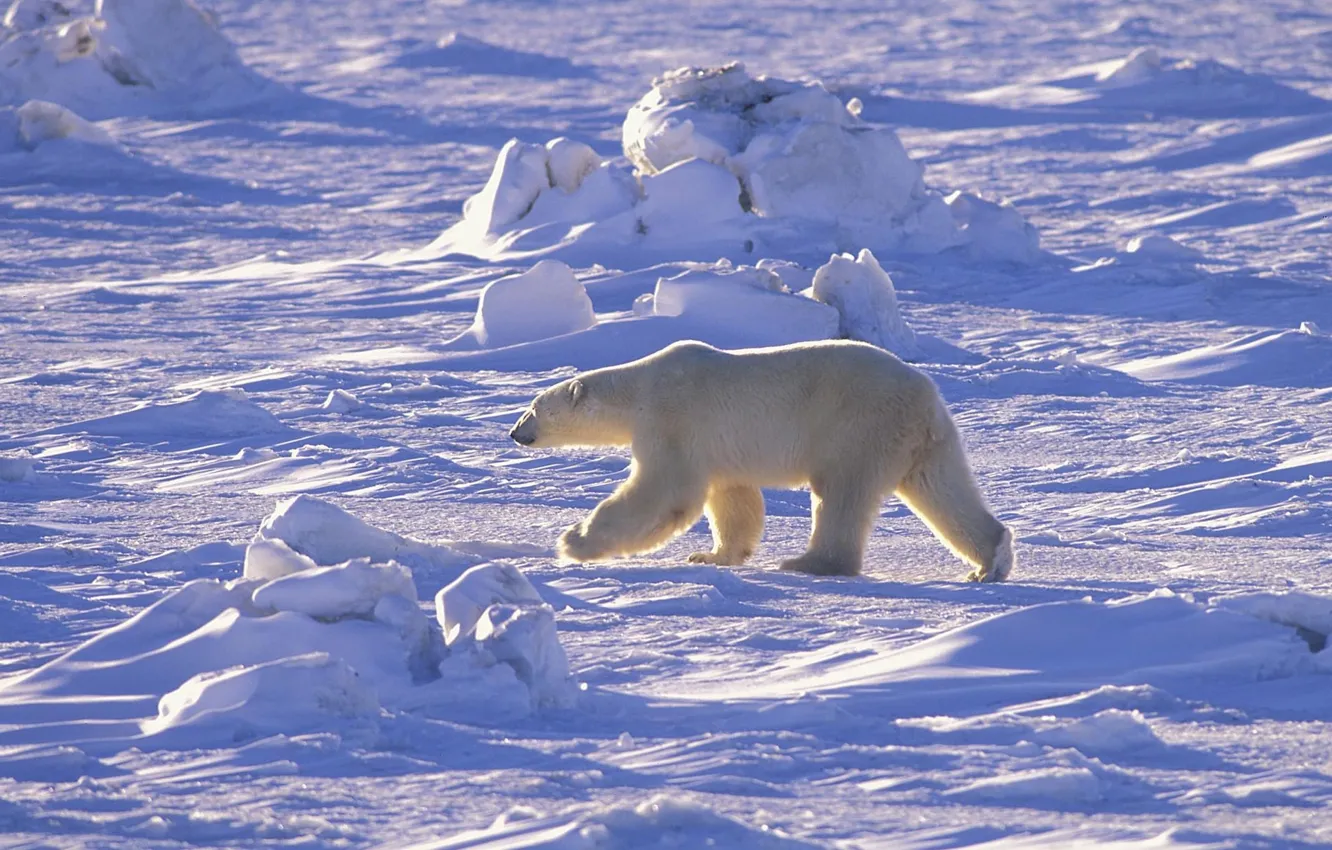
<point>276,278</point>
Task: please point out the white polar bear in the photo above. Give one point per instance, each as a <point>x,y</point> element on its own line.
<point>708,428</point>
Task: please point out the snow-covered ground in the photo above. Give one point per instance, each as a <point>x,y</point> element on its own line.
<point>276,279</point>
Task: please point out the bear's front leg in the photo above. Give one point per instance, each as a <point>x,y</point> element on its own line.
<point>653,506</point>
<point>735,512</point>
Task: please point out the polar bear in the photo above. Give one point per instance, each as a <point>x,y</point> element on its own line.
<point>708,428</point>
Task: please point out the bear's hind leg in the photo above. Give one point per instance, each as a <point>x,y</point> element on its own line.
<point>844,508</point>
<point>653,506</point>
<point>942,491</point>
<point>735,512</point>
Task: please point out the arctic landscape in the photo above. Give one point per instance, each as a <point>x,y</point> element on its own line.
<point>278,278</point>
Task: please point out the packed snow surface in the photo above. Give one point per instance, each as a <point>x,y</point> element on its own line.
<point>277,279</point>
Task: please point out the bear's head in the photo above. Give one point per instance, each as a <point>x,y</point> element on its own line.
<point>571,413</point>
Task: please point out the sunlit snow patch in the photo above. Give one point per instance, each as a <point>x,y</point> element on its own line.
<point>1291,358</point>
<point>118,57</point>
<point>727,165</point>
<point>1215,654</point>
<point>205,415</point>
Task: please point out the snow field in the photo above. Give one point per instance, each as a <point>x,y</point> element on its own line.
<point>211,302</point>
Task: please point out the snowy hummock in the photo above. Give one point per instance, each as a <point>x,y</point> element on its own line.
<point>120,57</point>
<point>545,301</point>
<point>313,648</point>
<point>727,165</point>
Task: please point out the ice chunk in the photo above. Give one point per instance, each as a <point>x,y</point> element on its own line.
<point>742,307</point>
<point>269,559</point>
<point>519,176</point>
<point>329,535</point>
<point>866,302</point>
<point>569,162</point>
<point>492,614</point>
<point>689,199</point>
<point>524,637</point>
<point>542,302</point>
<point>345,590</point>
<point>459,606</point>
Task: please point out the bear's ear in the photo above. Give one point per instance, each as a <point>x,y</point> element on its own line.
<point>577,391</point>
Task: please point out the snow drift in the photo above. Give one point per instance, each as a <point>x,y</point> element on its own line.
<point>121,57</point>
<point>1289,358</point>
<point>294,647</point>
<point>725,164</point>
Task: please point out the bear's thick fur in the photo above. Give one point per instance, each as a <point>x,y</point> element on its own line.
<point>708,428</point>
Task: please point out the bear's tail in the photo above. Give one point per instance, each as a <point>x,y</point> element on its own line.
<point>941,490</point>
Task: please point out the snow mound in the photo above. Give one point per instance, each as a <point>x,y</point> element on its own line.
<point>1050,786</point>
<point>994,231</point>
<point>728,165</point>
<point>492,615</point>
<point>1158,248</point>
<point>545,301</point>
<point>262,699</point>
<point>314,648</point>
<point>118,57</point>
<point>795,148</point>
<point>866,302</point>
<point>661,822</point>
<point>745,307</point>
<point>1289,358</point>
<point>340,401</point>
<point>37,122</point>
<point>205,415</point>
<point>328,535</point>
<point>461,52</point>
<point>1146,81</point>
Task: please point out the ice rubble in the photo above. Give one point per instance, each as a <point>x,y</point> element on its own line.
<point>725,164</point>
<point>293,646</point>
<point>547,318</point>
<point>102,58</point>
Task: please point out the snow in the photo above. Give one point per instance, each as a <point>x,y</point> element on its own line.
<point>545,301</point>
<point>248,432</point>
<point>866,302</point>
<point>118,57</point>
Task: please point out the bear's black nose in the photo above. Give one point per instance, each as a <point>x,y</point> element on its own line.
<point>520,439</point>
